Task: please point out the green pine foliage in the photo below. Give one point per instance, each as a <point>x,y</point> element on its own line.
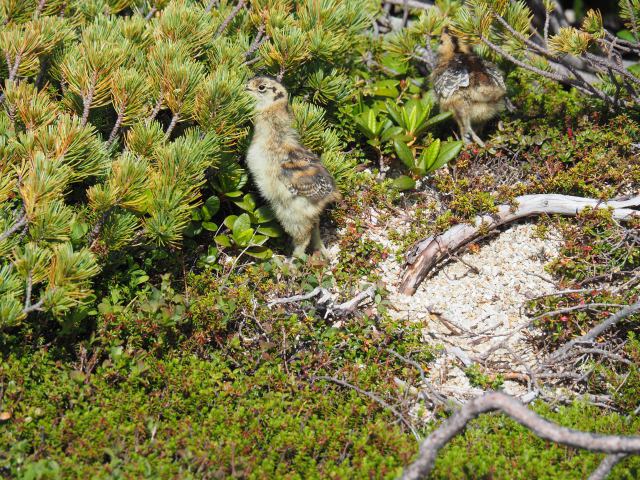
<point>119,118</point>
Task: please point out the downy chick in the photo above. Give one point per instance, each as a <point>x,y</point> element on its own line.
<point>290,177</point>
<point>468,86</point>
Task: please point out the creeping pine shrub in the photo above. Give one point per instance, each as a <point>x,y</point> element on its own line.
<point>123,125</point>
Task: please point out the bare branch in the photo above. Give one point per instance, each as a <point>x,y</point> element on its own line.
<point>230,17</point>
<point>605,467</point>
<point>612,444</point>
<point>427,253</point>
<point>417,4</point>
<point>595,331</point>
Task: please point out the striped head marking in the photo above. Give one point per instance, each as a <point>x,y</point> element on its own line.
<point>266,91</point>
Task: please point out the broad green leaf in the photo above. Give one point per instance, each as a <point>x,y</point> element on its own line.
<point>635,69</point>
<point>222,240</point>
<point>386,88</point>
<point>271,230</point>
<point>229,221</point>
<point>259,239</point>
<point>242,237</point>
<point>403,183</point>
<point>263,214</point>
<point>193,229</point>
<point>428,156</point>
<point>212,204</point>
<point>389,133</point>
<point>437,119</point>
<point>242,223</point>
<point>394,111</point>
<point>626,35</point>
<point>234,194</point>
<point>212,227</point>
<point>248,203</point>
<point>448,151</point>
<point>404,153</point>
<point>263,253</point>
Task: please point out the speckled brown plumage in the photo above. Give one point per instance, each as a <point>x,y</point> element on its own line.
<point>471,88</point>
<point>289,176</point>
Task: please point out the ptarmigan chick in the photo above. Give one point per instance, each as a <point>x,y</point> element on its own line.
<point>468,86</point>
<point>290,177</point>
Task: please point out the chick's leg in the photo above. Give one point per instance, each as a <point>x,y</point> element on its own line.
<point>301,239</point>
<point>316,241</point>
<point>469,133</point>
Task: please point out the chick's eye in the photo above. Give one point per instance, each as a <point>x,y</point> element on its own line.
<point>261,88</point>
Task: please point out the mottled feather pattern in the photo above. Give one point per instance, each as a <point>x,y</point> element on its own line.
<point>450,79</point>
<point>290,177</point>
<point>305,175</point>
<point>462,71</point>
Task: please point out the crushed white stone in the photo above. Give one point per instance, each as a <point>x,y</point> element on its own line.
<point>456,304</point>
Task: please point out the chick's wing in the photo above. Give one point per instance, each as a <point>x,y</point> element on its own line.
<point>305,175</point>
<point>450,79</point>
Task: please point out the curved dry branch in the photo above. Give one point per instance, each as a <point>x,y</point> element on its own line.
<point>611,444</point>
<point>427,253</point>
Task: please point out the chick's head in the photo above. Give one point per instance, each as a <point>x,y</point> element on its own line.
<point>266,91</point>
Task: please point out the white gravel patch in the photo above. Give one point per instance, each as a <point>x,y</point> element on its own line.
<point>467,313</point>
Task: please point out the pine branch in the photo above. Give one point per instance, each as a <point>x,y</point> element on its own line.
<point>27,296</point>
<point>41,5</point>
<point>95,231</point>
<point>22,221</point>
<point>151,13</point>
<point>210,6</point>
<point>115,129</point>
<point>230,17</point>
<point>174,121</point>
<point>417,4</point>
<point>88,100</point>
<point>33,308</point>
<point>156,109</point>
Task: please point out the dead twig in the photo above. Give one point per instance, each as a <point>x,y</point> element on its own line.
<point>611,444</point>
<point>429,252</point>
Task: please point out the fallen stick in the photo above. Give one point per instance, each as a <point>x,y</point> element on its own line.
<point>611,444</point>
<point>426,254</point>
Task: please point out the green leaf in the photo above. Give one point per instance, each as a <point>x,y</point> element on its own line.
<point>212,204</point>
<point>635,69</point>
<point>404,153</point>
<point>212,227</point>
<point>248,203</point>
<point>242,237</point>
<point>262,253</point>
<point>263,214</point>
<point>242,223</point>
<point>441,117</point>
<point>626,35</point>
<point>386,88</point>
<point>403,183</point>
<point>222,240</point>
<point>234,194</point>
<point>428,156</point>
<point>193,229</point>
<point>448,151</point>
<point>272,230</point>
<point>259,240</point>
<point>389,133</point>
<point>229,221</point>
